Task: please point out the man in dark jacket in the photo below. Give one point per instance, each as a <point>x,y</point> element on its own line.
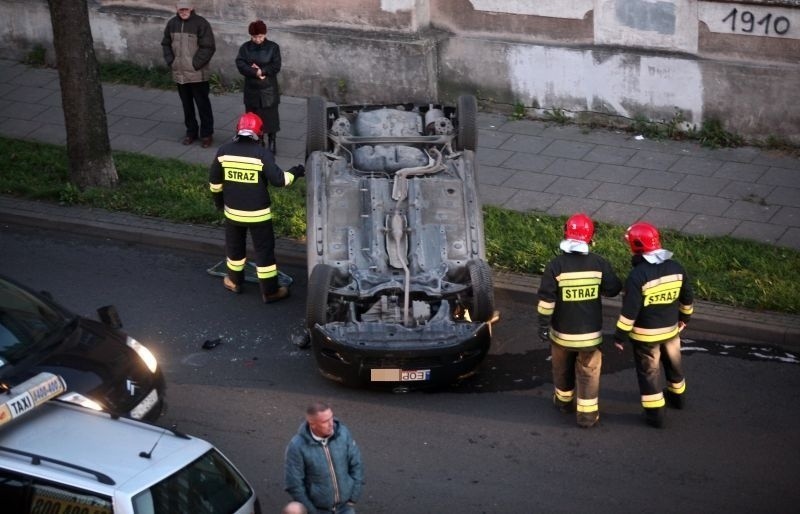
<point>188,45</point>
<point>571,319</point>
<point>323,469</point>
<point>657,306</point>
<point>238,181</point>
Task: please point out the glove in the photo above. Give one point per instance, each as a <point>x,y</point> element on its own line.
<point>298,171</point>
<point>544,334</point>
<point>543,328</point>
<point>219,202</point>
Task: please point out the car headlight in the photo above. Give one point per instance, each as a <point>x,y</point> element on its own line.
<point>145,354</point>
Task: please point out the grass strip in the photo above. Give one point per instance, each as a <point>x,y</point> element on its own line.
<point>729,271</point>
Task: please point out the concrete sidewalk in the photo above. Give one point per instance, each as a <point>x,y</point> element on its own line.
<point>525,165</point>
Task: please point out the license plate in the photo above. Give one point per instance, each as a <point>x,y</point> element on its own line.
<point>145,405</point>
<point>400,375</point>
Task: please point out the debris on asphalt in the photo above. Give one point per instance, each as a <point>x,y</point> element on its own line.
<point>210,344</point>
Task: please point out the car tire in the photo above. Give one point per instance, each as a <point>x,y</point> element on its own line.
<point>480,274</point>
<point>317,128</point>
<point>319,285</point>
<point>467,114</point>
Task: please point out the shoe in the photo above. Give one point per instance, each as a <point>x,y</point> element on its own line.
<point>674,400</point>
<point>588,419</point>
<point>188,140</point>
<point>280,294</point>
<point>271,145</point>
<point>564,407</point>
<point>654,417</point>
<point>206,141</point>
<point>230,286</point>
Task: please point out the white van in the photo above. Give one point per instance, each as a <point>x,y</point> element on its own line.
<point>61,458</point>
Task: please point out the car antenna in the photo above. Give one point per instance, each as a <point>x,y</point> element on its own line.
<point>147,455</point>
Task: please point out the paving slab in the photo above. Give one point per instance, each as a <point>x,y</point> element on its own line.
<point>762,232</point>
<point>691,165</point>
<point>605,154</point>
<point>702,204</point>
<point>574,168</point>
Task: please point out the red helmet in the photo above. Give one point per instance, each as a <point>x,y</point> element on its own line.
<point>643,237</point>
<point>579,227</point>
<point>249,125</point>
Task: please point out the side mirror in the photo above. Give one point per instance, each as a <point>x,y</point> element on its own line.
<point>109,316</point>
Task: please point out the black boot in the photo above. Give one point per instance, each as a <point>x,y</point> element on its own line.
<point>674,400</point>
<point>271,144</point>
<point>654,417</point>
<point>272,291</point>
<point>231,284</point>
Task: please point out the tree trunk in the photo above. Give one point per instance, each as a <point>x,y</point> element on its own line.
<point>88,146</point>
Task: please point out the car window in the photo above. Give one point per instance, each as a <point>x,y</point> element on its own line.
<point>24,320</point>
<point>207,485</point>
<point>25,495</point>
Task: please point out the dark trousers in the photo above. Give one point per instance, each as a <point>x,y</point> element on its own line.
<point>577,368</point>
<point>197,93</point>
<point>263,237</point>
<point>269,116</point>
<point>650,357</point>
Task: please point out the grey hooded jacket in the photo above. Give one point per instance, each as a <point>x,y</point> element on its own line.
<point>188,47</point>
<point>322,477</point>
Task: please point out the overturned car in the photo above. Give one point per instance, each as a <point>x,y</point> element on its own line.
<point>399,291</point>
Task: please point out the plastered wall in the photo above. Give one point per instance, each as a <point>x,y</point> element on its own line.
<point>735,61</point>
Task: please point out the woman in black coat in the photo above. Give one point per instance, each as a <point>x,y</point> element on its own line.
<point>259,60</point>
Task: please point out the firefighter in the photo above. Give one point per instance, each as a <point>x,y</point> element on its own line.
<point>238,182</point>
<point>657,306</point>
<point>571,319</point>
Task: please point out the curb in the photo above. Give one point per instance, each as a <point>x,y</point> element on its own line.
<point>738,325</point>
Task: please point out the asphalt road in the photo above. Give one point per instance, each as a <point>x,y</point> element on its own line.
<point>492,444</point>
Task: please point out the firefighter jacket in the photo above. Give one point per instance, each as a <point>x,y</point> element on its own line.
<point>657,297</point>
<point>569,299</point>
<point>238,180</point>
<point>188,46</point>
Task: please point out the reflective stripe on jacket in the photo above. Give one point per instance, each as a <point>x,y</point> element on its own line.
<point>657,298</point>
<point>240,174</point>
<point>570,298</point>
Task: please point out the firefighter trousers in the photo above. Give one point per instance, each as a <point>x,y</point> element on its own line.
<point>649,358</point>
<point>263,238</point>
<point>577,369</point>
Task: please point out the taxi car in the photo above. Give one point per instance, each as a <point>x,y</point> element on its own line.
<point>104,367</point>
<point>399,290</point>
<point>57,457</point>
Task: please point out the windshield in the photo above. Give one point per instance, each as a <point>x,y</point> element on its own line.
<point>25,321</point>
<point>208,485</point>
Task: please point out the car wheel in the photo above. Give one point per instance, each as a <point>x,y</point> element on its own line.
<point>480,275</point>
<point>467,113</point>
<point>318,309</point>
<point>317,128</point>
